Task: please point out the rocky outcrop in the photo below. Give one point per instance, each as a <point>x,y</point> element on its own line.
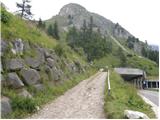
<point>14,80</point>
<point>135,115</point>
<point>5,106</point>
<point>30,76</point>
<point>74,14</point>
<point>120,32</point>
<point>14,64</point>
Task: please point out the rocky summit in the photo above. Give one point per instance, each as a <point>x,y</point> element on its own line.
<point>74,15</point>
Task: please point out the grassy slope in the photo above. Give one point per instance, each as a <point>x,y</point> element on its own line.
<point>123,96</point>
<point>149,66</point>
<point>18,28</point>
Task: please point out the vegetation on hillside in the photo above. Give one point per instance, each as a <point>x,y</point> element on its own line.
<point>123,96</point>
<point>14,27</point>
<point>94,45</point>
<point>30,32</point>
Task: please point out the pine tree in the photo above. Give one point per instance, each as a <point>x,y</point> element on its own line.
<point>122,57</point>
<point>91,24</point>
<point>56,31</point>
<point>40,23</point>
<point>50,30</point>
<point>24,9</point>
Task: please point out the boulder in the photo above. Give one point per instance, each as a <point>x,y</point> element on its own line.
<point>14,64</point>
<point>39,87</point>
<point>52,73</point>
<point>25,93</point>
<point>30,76</point>
<point>26,46</point>
<point>14,80</point>
<point>49,72</point>
<point>40,54</point>
<point>4,46</point>
<point>46,53</point>
<point>3,81</point>
<point>50,62</point>
<point>5,106</point>
<point>56,74</point>
<point>33,62</point>
<point>18,46</point>
<point>49,53</point>
<point>135,115</point>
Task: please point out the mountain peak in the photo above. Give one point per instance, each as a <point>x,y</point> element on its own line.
<point>72,9</point>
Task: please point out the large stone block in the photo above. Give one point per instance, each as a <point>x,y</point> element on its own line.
<point>25,93</point>
<point>14,80</point>
<point>135,115</point>
<point>14,64</point>
<point>30,76</point>
<point>33,62</point>
<point>4,46</point>
<point>5,106</point>
<point>50,62</point>
<point>18,46</point>
<point>39,87</point>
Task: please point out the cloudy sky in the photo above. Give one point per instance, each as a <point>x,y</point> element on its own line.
<point>140,17</point>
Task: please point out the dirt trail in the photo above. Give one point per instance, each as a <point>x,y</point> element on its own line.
<point>85,100</point>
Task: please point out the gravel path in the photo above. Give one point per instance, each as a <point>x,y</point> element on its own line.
<point>85,100</point>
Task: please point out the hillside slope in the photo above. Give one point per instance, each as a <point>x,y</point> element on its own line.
<point>35,68</point>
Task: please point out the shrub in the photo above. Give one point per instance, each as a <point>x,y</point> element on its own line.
<point>23,104</point>
<point>4,16</point>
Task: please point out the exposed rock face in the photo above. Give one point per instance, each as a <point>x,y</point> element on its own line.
<point>30,76</point>
<point>25,93</point>
<point>74,15</point>
<point>14,80</point>
<point>72,9</point>
<point>5,106</point>
<point>120,32</point>
<point>14,64</point>
<point>135,115</point>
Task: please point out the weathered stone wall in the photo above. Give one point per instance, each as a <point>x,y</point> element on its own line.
<point>24,64</point>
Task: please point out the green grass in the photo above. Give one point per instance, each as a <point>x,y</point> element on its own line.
<point>15,28</point>
<point>151,68</point>
<point>109,60</point>
<point>23,107</point>
<point>123,96</point>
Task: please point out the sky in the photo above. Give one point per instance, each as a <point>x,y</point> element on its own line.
<point>140,17</point>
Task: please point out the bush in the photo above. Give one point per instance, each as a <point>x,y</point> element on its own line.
<point>23,104</point>
<point>4,16</point>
